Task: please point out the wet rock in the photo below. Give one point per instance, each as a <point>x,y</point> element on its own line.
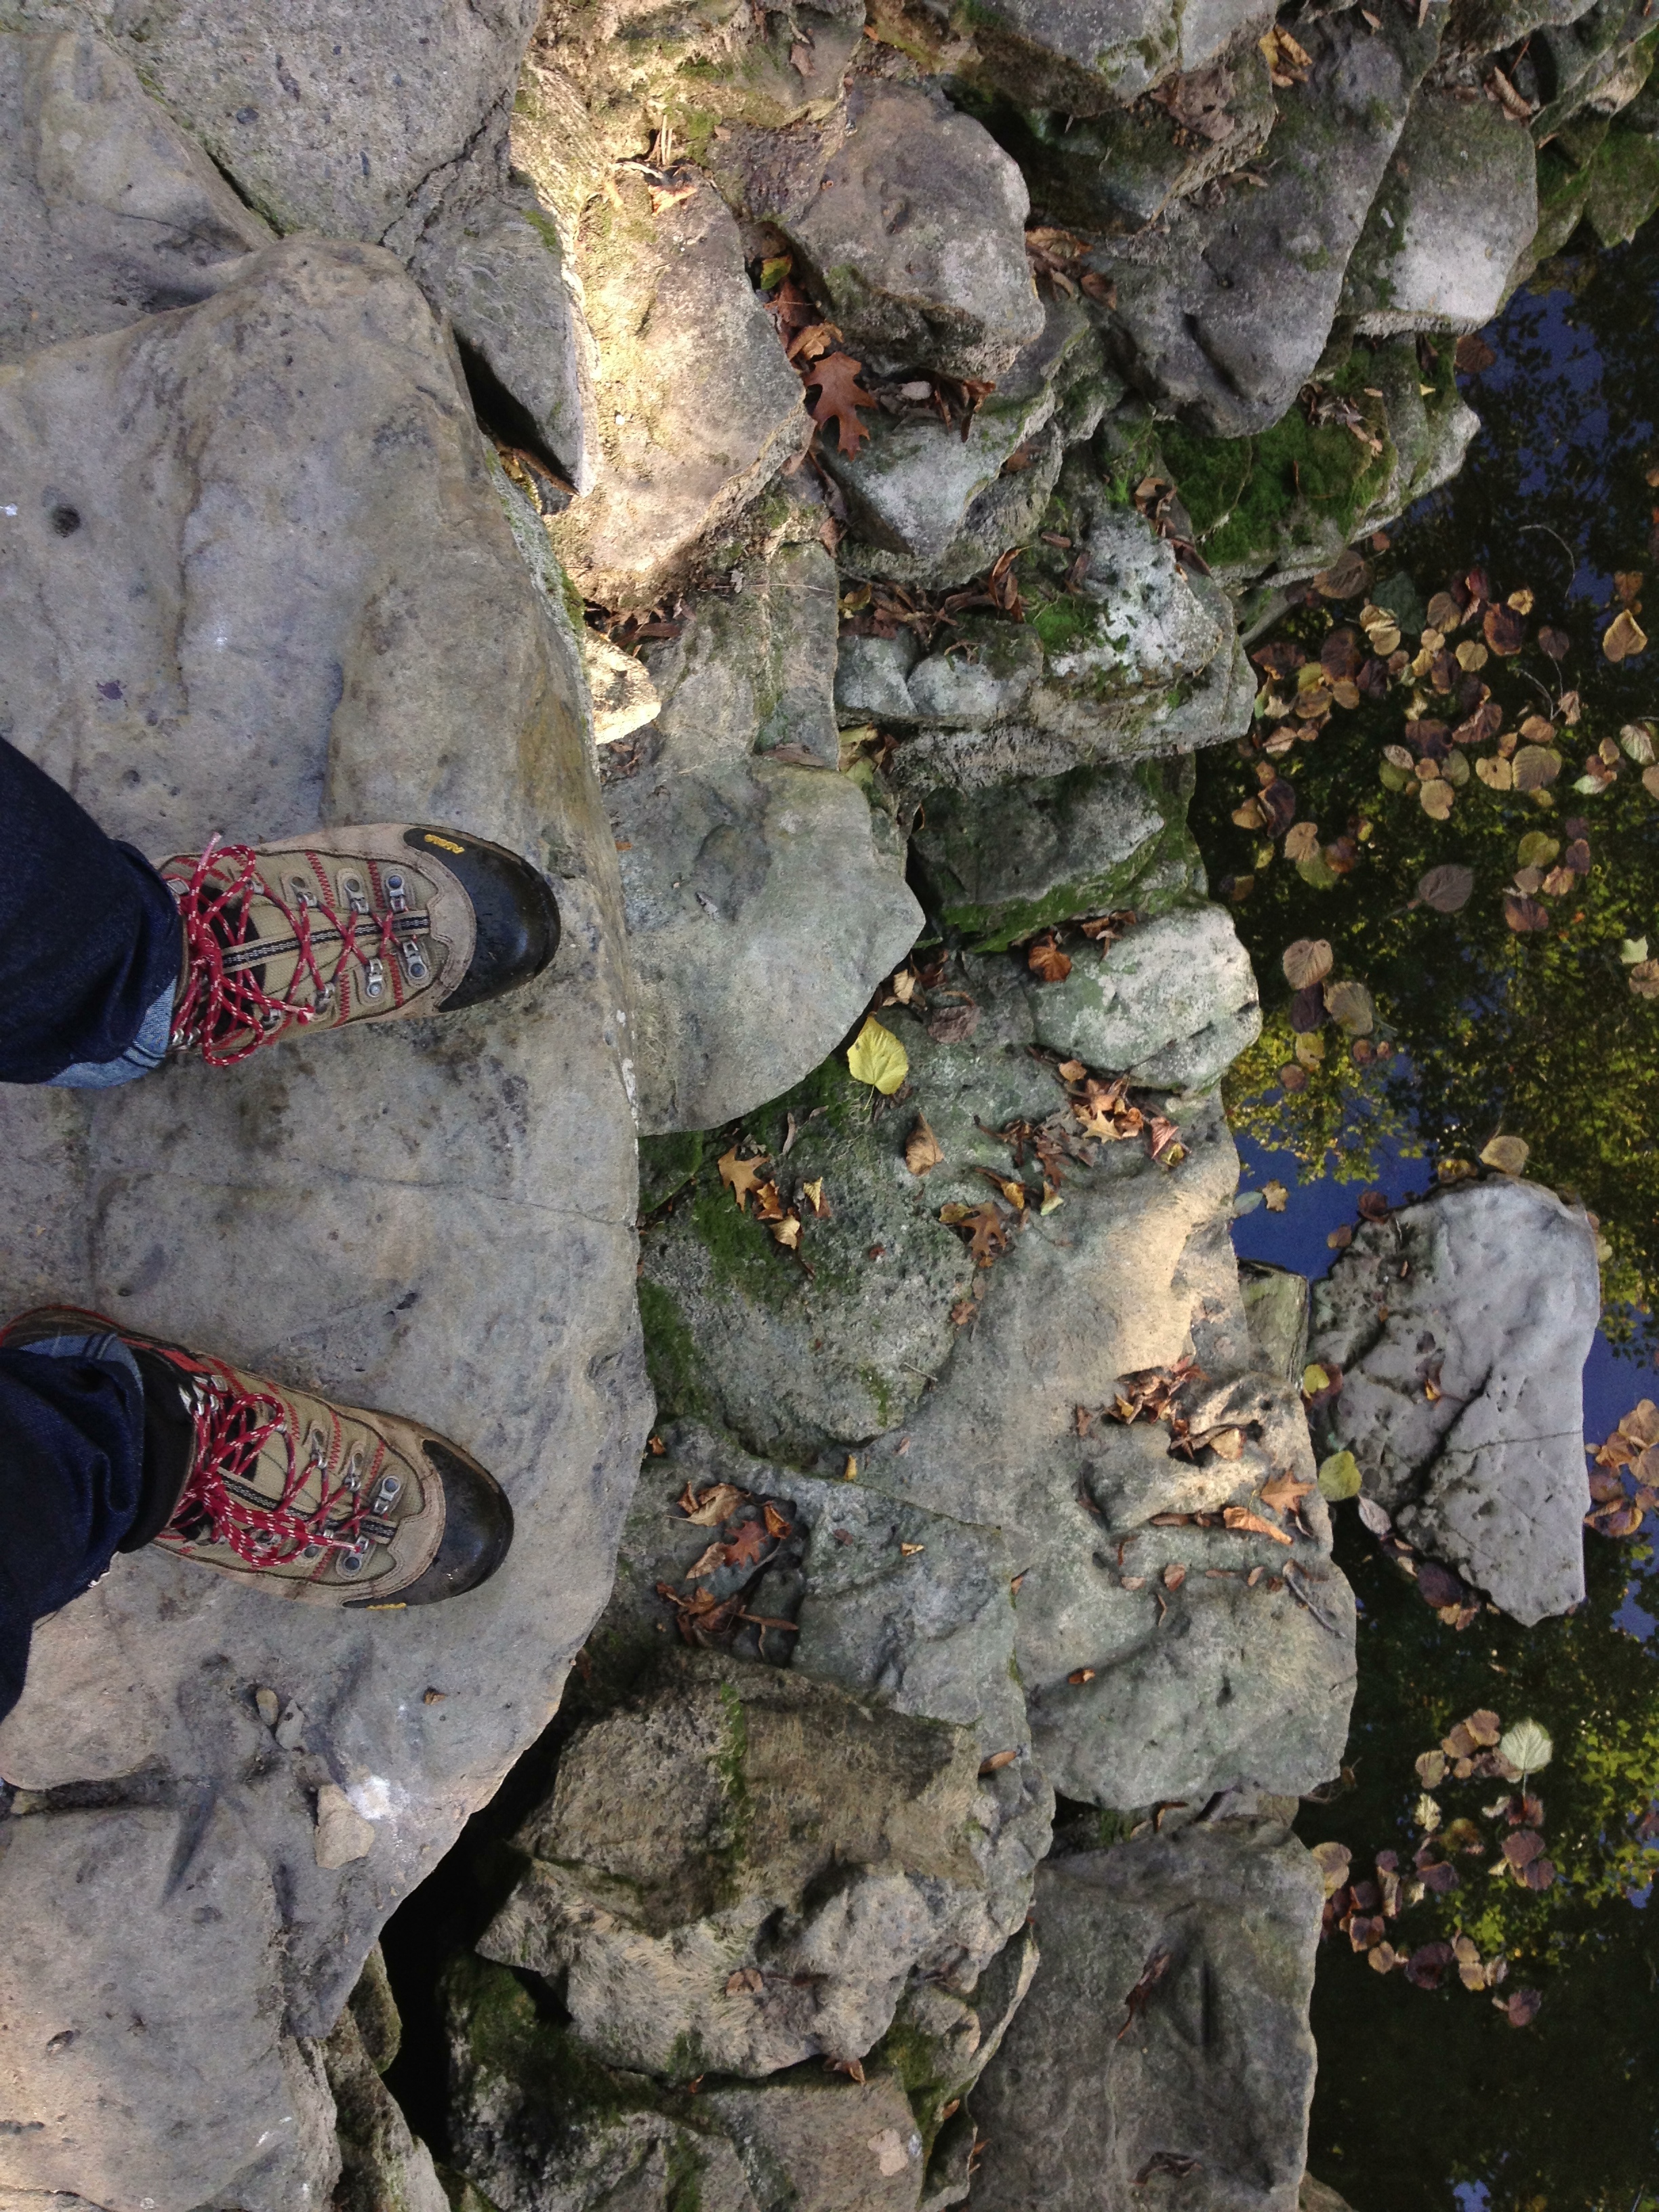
<point>765,897</point>
<point>1211,2081</point>
<point>1172,1004</point>
<point>109,211</point>
<point>1119,170</point>
<point>322,125</point>
<point>996,865</point>
<point>1496,1307</point>
<point>1457,210</point>
<point>1086,60</point>
<point>807,1856</point>
<point>924,500</point>
<point>432,1215</point>
<point>494,266</point>
<point>697,408</point>
<point>544,2128</point>
<point>1276,1307</point>
<point>1222,316</point>
<point>914,242</point>
<point>957,1389</point>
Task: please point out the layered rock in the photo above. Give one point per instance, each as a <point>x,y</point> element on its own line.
<point>1461,1326</point>
<point>433,1217</point>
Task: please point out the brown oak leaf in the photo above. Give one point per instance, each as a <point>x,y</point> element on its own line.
<point>836,380</point>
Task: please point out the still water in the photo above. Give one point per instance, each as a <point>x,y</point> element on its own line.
<point>1524,1011</point>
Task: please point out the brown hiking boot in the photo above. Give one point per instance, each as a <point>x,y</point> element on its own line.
<point>327,1505</point>
<point>347,925</point>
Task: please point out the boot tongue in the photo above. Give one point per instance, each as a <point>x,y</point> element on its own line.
<point>169,1446</point>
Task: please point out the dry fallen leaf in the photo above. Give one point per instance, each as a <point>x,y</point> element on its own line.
<point>747,1981</point>
<point>1624,638</point>
<point>1307,961</point>
<point>1174,1576</point>
<point>1508,1155</point>
<point>741,1176</point>
<point>709,1563</point>
<point>1283,1493</point>
<point>1047,962</point>
<point>922,1149</point>
<point>714,1505</point>
<point>787,1232</point>
<point>1301,840</point>
<point>836,380</point>
<point>1237,1516</point>
<point>1446,889</point>
<point>1274,1196</point>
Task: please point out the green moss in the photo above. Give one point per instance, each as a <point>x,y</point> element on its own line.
<point>671,1358</point>
<point>913,2058</point>
<point>1623,185</point>
<point>742,1251</point>
<point>1063,622</point>
<point>667,1164</point>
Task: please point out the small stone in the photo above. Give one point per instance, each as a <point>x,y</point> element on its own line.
<point>290,1728</point>
<point>269,1706</point>
<point>343,1834</point>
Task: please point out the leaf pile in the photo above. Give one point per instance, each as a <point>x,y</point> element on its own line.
<point>1625,1475</point>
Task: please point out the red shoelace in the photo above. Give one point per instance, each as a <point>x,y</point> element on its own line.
<point>232,1426</point>
<point>219,1000</point>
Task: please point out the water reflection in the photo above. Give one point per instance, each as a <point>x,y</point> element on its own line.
<point>1430,2098</point>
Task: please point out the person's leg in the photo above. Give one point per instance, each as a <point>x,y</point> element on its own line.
<point>91,947</point>
<point>71,1480</point>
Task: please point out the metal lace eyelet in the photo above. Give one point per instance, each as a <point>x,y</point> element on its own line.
<point>357,898</point>
<point>386,1493</point>
<point>397,891</point>
<point>418,970</point>
<point>374,979</point>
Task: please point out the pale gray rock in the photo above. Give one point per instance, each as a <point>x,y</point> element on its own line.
<point>110,212</point>
<point>997,864</point>
<point>914,242</point>
<point>765,898</point>
<point>145,2061</point>
<point>1458,208</point>
<point>624,698</point>
<point>1223,314</point>
<point>872,678</point>
<point>323,122</point>
<point>1084,57</point>
<point>1497,1303</point>
<point>1171,1005</point>
<point>987,678</point>
<point>544,2128</point>
<point>912,487</point>
<point>1214,2076</point>
<point>697,406</point>
<point>745,1869</point>
<point>495,267</point>
<point>432,1215</point>
<point>957,1389</point>
<point>1277,1305</point>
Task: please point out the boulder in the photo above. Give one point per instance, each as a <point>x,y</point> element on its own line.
<point>745,1868</point>
<point>1222,314</point>
<point>537,2122</point>
<point>1492,1292</point>
<point>1157,1662</point>
<point>1118,171</point>
<point>322,125</point>
<point>924,500</point>
<point>494,265</point>
<point>915,240</point>
<point>384,2168</point>
<point>697,408</point>
<point>432,1215</point>
<point>1085,60</point>
<point>998,865</point>
<point>1173,1002</point>
<point>1457,210</point>
<point>765,895</point>
<point>1166,2034</point>
<point>111,212</point>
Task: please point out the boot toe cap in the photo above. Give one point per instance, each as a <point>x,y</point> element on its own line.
<point>478,1528</point>
<point>512,905</point>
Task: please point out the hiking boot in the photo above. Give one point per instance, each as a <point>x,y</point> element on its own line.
<point>349,924</point>
<point>281,1488</point>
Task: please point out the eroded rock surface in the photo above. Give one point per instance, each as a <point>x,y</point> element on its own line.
<point>1499,1301</point>
<point>435,1216</point>
<point>1215,1927</point>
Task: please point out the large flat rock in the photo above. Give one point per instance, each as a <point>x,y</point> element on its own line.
<point>293,595</point>
<point>1461,1326</point>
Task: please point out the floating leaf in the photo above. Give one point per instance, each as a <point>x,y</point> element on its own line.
<point>1534,766</point>
<point>1536,849</point>
<point>1307,961</point>
<point>1437,799</point>
<point>1301,840</point>
<point>1350,1006</point>
<point>1339,1477</point>
<point>1333,1861</point>
<point>1505,630</point>
<point>1447,889</point>
<point>877,1057</point>
<point>1376,1518</point>
<point>1524,913</point>
<point>1509,1155</point>
<point>1431,1768</point>
<point>1637,738</point>
<point>1624,637</point>
<point>1633,950</point>
<point>1494,769</point>
<point>1527,1747</point>
<point>1275,1195</point>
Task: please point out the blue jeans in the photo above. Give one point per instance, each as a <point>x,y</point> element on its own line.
<point>90,945</point>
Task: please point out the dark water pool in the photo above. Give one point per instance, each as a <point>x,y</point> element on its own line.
<point>1430,2098</point>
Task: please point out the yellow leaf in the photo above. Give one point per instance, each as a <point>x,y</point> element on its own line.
<point>877,1057</point>
<point>1339,1477</point>
<point>813,1194</point>
<point>850,1471</point>
<point>1315,1378</point>
<point>1276,1196</point>
<point>787,1232</point>
<point>741,1176</point>
<point>1507,1154</point>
